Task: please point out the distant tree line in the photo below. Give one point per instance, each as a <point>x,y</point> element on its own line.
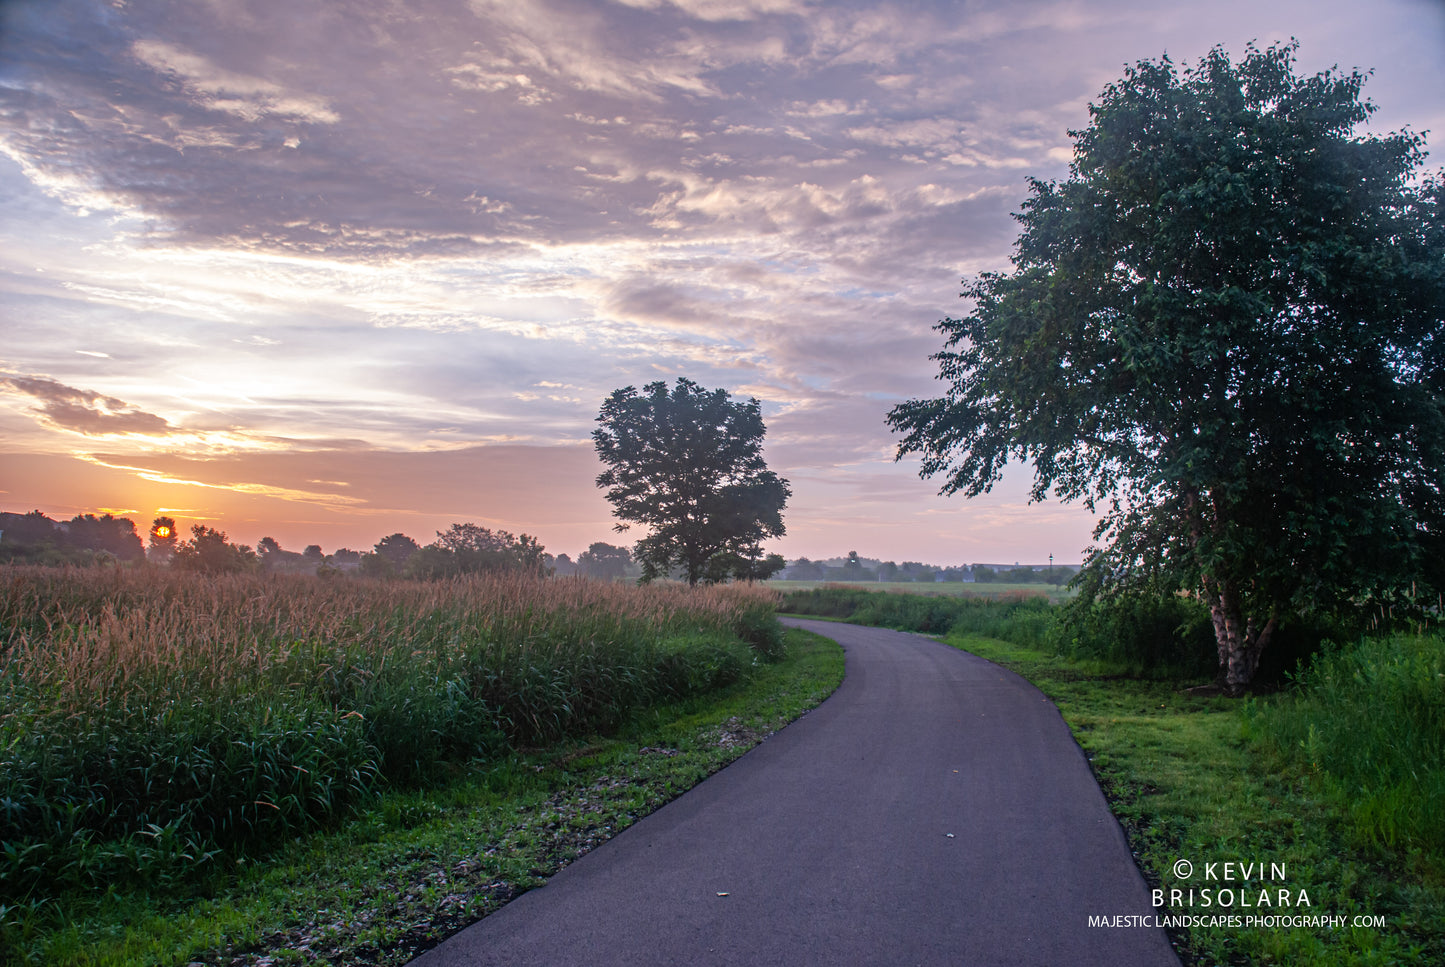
<point>685,463</point>
<point>1053,574</point>
<point>34,538</point>
<point>463,548</point>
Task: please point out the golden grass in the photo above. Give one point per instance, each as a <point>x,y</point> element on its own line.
<point>92,636</point>
<point>155,721</point>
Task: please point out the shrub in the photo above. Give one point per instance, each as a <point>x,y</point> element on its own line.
<point>1162,635</point>
<point>1172,636</point>
<point>1368,724</point>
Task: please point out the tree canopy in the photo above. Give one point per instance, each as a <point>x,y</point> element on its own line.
<point>604,561</point>
<point>688,464</point>
<point>163,538</point>
<point>84,539</point>
<point>1223,332</point>
<point>472,549</point>
<point>209,552</point>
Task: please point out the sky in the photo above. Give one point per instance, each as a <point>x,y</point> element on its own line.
<point>327,271</point>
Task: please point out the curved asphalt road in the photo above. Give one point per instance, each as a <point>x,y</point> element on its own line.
<point>934,810</point>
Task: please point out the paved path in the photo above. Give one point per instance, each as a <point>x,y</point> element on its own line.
<point>934,810</point>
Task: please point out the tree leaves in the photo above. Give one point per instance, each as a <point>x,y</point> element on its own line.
<point>1225,328</point>
<point>688,464</point>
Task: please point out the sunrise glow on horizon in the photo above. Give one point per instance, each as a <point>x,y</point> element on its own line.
<point>327,277</point>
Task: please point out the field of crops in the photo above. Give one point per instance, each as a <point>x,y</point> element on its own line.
<point>159,724</point>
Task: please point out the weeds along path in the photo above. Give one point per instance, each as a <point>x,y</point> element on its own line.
<point>934,810</point>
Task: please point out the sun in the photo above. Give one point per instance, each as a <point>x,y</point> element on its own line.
<point>163,532</point>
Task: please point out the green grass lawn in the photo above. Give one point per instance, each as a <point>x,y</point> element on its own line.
<point>1188,782</point>
<point>416,867</point>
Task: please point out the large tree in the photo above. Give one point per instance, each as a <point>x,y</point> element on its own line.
<point>604,561</point>
<point>209,552</point>
<point>163,539</point>
<point>471,549</point>
<point>106,533</point>
<point>688,464</point>
<point>1223,332</point>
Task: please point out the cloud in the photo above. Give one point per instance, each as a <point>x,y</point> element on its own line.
<point>432,227</point>
<point>244,487</point>
<point>720,10</point>
<point>83,411</point>
<point>249,98</point>
<point>575,50</point>
<point>522,488</point>
<point>544,122</point>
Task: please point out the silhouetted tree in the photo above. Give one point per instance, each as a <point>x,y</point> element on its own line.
<point>32,538</point>
<point>603,561</point>
<point>209,552</point>
<point>916,572</point>
<point>114,535</point>
<point>471,549</point>
<point>688,465</point>
<point>805,570</point>
<point>163,539</point>
<point>396,549</point>
<point>31,528</point>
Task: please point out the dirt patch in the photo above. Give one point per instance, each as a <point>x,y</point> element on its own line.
<point>734,732</point>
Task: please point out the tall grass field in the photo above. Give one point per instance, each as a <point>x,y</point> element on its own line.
<point>155,725</point>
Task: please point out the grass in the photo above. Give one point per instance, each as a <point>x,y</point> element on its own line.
<point>1335,782</point>
<point>1189,779</point>
<point>1368,724</point>
<point>1021,616</point>
<point>157,725</point>
<point>415,866</point>
<point>956,589</point>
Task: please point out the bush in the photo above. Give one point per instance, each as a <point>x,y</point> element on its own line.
<point>697,663</point>
<point>1172,636</point>
<point>1165,636</point>
<point>761,630</point>
<point>1368,723</point>
<point>110,798</point>
<point>1149,635</point>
